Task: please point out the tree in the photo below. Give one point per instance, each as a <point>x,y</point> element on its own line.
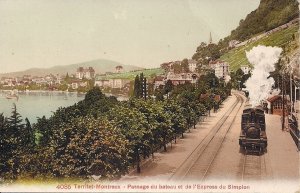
<point>43,128</point>
<point>159,95</point>
<point>203,84</point>
<point>89,146</point>
<point>185,103</point>
<point>185,65</point>
<point>262,19</point>
<point>165,66</point>
<point>157,119</point>
<point>14,144</point>
<point>178,120</point>
<point>15,120</point>
<point>137,87</point>
<point>93,95</point>
<point>4,146</point>
<point>177,67</point>
<point>67,78</point>
<point>140,86</point>
<point>213,51</point>
<point>29,135</point>
<point>135,129</point>
<point>206,53</point>
<point>168,87</point>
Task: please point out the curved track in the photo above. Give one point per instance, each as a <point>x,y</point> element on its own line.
<point>198,164</point>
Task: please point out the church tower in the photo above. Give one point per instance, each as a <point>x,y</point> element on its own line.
<point>210,38</point>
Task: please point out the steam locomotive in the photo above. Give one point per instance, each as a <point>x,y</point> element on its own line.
<point>253,130</point>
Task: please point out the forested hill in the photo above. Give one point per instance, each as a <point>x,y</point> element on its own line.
<point>269,14</point>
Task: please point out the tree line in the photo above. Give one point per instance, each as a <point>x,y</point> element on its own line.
<point>100,136</point>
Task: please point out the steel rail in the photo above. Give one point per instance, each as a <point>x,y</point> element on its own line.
<point>255,165</point>
<point>222,141</point>
<point>202,145</point>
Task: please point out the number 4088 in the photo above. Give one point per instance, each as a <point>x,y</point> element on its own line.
<point>63,186</point>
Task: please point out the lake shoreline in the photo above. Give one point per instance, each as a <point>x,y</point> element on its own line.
<point>39,103</point>
<point>66,92</point>
<point>42,91</point>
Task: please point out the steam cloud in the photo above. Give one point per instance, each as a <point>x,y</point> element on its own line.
<point>259,85</point>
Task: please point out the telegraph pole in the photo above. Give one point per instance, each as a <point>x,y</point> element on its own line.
<point>291,92</point>
<point>287,61</point>
<point>283,103</point>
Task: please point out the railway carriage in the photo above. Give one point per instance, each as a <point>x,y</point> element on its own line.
<point>253,130</point>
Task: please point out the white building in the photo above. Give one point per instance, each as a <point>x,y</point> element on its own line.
<point>192,65</point>
<point>246,69</point>
<point>221,68</point>
<point>112,83</point>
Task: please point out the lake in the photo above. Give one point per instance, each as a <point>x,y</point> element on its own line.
<point>37,104</point>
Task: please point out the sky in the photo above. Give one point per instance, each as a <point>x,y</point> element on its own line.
<point>145,33</point>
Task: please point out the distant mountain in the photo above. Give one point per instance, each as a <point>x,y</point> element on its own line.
<point>100,66</point>
<point>270,14</point>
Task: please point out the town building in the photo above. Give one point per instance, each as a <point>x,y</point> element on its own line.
<point>220,67</point>
<point>171,65</point>
<point>77,83</point>
<point>102,83</point>
<point>111,83</point>
<point>182,78</point>
<point>88,73</point>
<point>118,83</point>
<point>192,65</point>
<point>275,104</point>
<point>159,81</point>
<point>39,80</point>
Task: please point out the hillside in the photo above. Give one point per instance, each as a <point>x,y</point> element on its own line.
<point>287,38</point>
<point>100,66</point>
<point>269,14</point>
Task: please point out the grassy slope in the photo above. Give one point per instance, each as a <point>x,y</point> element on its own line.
<point>132,75</point>
<point>237,57</point>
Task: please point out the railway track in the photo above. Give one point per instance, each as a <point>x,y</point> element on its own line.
<point>198,164</point>
<point>254,167</point>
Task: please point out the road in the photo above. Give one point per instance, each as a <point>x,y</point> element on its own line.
<point>211,154</point>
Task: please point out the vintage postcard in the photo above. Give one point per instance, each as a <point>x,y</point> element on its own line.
<point>149,96</point>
